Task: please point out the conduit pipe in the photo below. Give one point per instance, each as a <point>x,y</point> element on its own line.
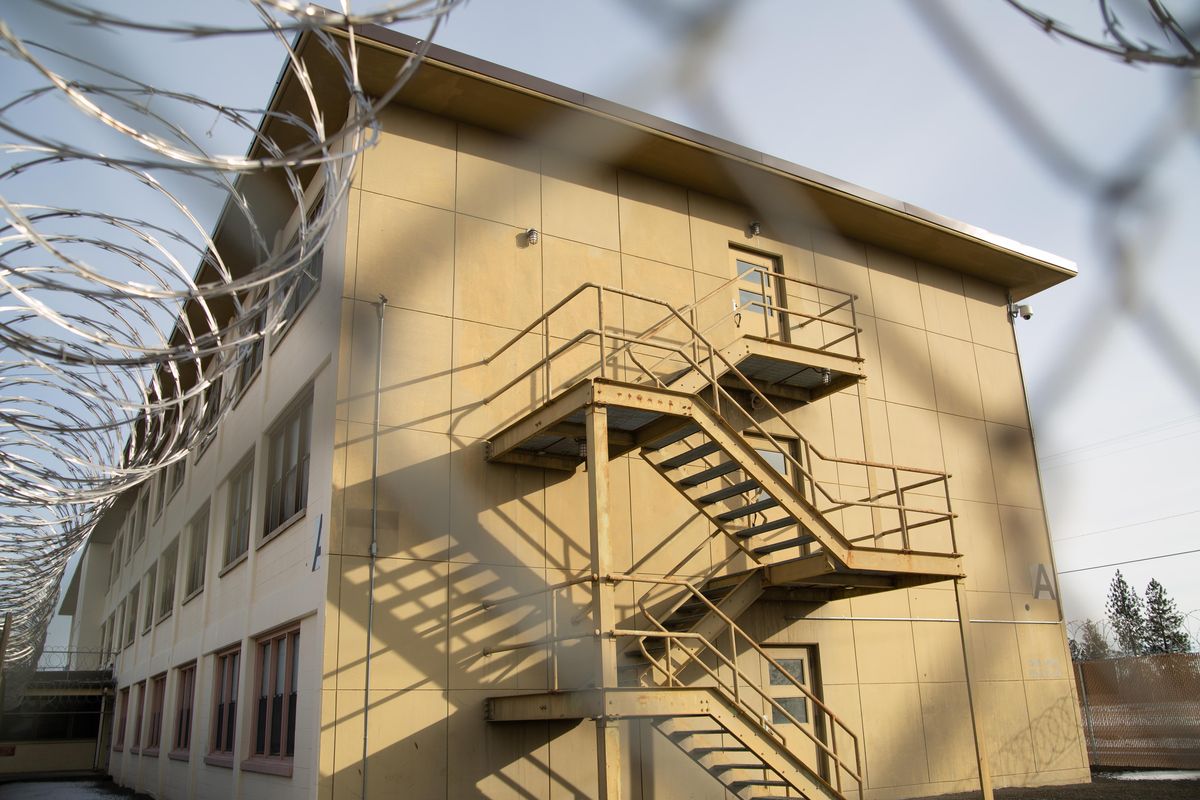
<point>381,306</point>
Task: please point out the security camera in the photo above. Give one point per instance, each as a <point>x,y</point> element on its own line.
<point>1026,312</point>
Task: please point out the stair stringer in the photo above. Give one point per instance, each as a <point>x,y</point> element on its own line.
<point>736,447</point>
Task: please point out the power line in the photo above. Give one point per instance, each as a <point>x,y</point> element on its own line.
<point>1130,561</point>
<point>1127,525</point>
<point>1174,423</point>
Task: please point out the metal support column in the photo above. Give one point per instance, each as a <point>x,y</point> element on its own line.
<point>964,629</point>
<point>608,739</point>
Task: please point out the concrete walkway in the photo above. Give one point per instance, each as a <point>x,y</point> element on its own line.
<point>90,789</point>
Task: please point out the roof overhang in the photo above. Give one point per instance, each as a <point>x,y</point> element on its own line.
<point>470,90</point>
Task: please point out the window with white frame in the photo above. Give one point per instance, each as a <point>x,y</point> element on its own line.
<point>168,566</point>
<point>287,465</point>
<point>306,280</point>
<point>131,607</point>
<point>138,718</point>
<point>148,606</point>
<point>114,561</point>
<point>240,495</point>
<point>250,353</point>
<point>274,734</point>
<point>185,698</point>
<point>141,518</point>
<point>197,552</point>
<point>160,493</point>
<point>212,399</point>
<point>122,719</point>
<point>158,693</point>
<point>175,476</point>
<point>225,694</point>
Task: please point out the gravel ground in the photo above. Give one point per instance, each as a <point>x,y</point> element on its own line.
<point>1104,786</point>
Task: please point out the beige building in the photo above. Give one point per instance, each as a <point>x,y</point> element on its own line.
<point>688,473</point>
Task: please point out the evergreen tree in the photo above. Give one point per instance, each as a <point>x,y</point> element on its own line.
<point>1091,644</point>
<point>1164,623</point>
<point>1126,615</point>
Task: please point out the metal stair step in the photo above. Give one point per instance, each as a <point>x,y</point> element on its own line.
<point>739,786</point>
<point>723,767</point>
<point>688,456</point>
<point>697,732</point>
<point>703,751</point>
<point>674,436</point>
<point>726,492</point>
<point>706,475</point>
<point>748,509</point>
<point>775,547</point>
<point>767,527</point>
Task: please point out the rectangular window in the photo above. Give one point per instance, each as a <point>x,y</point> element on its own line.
<point>136,747</point>
<point>287,465</point>
<point>148,606</point>
<point>240,488</point>
<point>114,561</point>
<point>197,544</point>
<point>307,279</point>
<point>122,719</point>
<point>250,353</point>
<point>208,418</point>
<point>119,630</point>
<point>158,693</point>
<point>127,538</point>
<point>184,698</point>
<point>168,566</point>
<point>175,476</point>
<point>160,493</point>
<point>225,693</point>
<point>275,715</point>
<point>142,518</point>
<point>131,607</point>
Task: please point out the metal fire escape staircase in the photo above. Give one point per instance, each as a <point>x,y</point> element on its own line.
<point>708,419</point>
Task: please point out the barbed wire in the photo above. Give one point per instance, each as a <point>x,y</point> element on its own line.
<point>115,333</point>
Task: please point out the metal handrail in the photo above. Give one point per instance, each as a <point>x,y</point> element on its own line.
<point>697,342</point>
<point>734,692</point>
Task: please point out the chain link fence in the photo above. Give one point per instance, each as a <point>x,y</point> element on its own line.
<point>1142,711</point>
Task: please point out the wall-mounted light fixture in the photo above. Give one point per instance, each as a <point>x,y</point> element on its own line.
<point>755,228</point>
<point>532,236</point>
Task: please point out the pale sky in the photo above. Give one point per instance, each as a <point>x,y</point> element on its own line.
<point>864,91</point>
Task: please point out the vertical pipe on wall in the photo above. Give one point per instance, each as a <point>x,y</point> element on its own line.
<point>381,306</point>
<point>964,631</point>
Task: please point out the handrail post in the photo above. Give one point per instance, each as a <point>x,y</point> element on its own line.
<point>712,378</point>
<point>546,353</point>
<point>733,657</point>
<point>766,304</point>
<point>901,510</point>
<point>603,337</point>
<point>854,323</point>
<point>950,517</point>
<point>695,341</point>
